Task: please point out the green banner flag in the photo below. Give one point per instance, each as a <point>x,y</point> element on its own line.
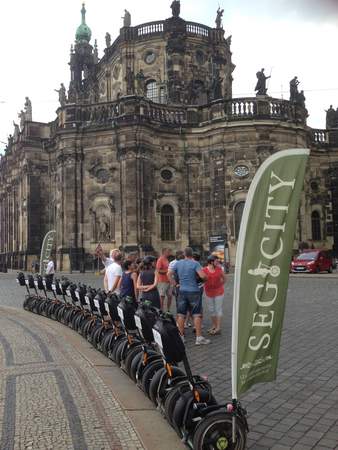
<point>262,267</point>
<point>46,251</point>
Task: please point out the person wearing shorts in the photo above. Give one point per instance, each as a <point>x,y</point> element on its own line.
<point>189,296</point>
<point>214,293</point>
<point>163,284</point>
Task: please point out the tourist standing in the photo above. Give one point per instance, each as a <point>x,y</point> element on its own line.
<point>127,285</point>
<point>50,271</point>
<point>189,297</point>
<point>147,282</point>
<point>214,293</point>
<point>113,274</point>
<point>163,284</point>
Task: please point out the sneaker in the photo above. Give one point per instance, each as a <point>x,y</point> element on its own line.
<point>202,341</point>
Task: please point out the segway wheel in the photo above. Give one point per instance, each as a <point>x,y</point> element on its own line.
<point>134,366</point>
<point>184,407</point>
<point>160,382</point>
<point>106,342</point>
<point>117,347</point>
<point>130,356</point>
<point>172,398</point>
<point>120,353</point>
<point>148,374</point>
<point>215,431</point>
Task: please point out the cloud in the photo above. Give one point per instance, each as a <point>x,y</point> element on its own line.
<point>315,10</point>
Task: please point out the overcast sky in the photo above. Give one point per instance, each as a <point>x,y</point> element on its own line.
<point>287,37</point>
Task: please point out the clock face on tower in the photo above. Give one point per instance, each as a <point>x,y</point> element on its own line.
<point>241,171</point>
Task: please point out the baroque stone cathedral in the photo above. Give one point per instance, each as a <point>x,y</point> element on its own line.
<point>149,149</point>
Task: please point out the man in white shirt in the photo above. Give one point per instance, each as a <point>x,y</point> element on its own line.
<point>113,274</point>
<point>50,271</point>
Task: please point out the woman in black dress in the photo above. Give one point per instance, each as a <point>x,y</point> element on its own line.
<point>147,282</point>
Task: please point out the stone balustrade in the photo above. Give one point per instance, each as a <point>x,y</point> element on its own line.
<point>131,108</point>
<point>320,137</point>
<point>158,28</point>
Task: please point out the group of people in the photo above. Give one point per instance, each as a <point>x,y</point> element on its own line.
<point>159,280</point>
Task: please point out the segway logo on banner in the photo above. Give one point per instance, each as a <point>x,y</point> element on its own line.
<point>266,293</point>
<point>266,282</point>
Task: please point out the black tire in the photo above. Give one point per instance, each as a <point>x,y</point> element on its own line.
<point>330,269</point>
<point>120,353</point>
<point>130,356</point>
<point>27,303</point>
<point>172,397</point>
<point>107,341</point>
<point>148,374</point>
<point>134,366</point>
<point>215,431</point>
<point>187,401</point>
<point>161,377</point>
<point>117,346</point>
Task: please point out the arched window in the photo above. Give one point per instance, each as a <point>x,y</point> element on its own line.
<point>238,212</point>
<point>167,223</point>
<point>152,90</point>
<point>316,229</point>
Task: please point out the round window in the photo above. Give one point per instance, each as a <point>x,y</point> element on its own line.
<point>241,171</point>
<point>150,57</point>
<point>166,175</point>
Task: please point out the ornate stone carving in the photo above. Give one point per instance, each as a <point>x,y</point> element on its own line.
<point>103,219</point>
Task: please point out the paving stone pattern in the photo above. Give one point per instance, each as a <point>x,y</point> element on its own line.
<point>299,411</point>
<point>51,398</point>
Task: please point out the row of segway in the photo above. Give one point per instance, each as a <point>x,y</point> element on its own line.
<point>146,344</point>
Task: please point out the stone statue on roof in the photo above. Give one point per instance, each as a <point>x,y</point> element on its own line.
<point>62,94</point>
<point>22,117</point>
<point>219,16</point>
<point>176,8</point>
<point>108,40</point>
<point>126,19</point>
<point>331,118</point>
<point>16,132</point>
<point>261,83</point>
<point>28,109</point>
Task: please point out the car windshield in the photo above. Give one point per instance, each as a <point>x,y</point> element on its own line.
<point>310,256</point>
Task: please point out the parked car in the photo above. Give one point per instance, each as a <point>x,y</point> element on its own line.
<point>312,261</point>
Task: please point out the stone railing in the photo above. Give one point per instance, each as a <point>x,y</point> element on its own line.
<point>133,108</point>
<point>158,28</point>
<point>320,137</point>
<point>149,29</point>
<point>264,107</point>
<point>163,113</point>
<point>197,29</point>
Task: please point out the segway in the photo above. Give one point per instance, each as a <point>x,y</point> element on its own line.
<point>219,425</point>
<point>114,333</point>
<point>182,402</point>
<point>126,311</point>
<point>145,362</point>
<point>23,282</point>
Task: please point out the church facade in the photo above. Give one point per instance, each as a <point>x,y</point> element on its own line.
<point>149,149</point>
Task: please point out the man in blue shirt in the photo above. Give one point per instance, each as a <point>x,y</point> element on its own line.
<point>189,297</point>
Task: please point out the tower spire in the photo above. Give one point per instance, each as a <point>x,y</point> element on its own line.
<point>83,14</point>
<point>83,33</point>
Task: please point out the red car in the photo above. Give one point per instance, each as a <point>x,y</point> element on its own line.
<point>312,261</point>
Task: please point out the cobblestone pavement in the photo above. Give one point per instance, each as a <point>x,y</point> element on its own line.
<point>299,411</point>
<point>51,398</point>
